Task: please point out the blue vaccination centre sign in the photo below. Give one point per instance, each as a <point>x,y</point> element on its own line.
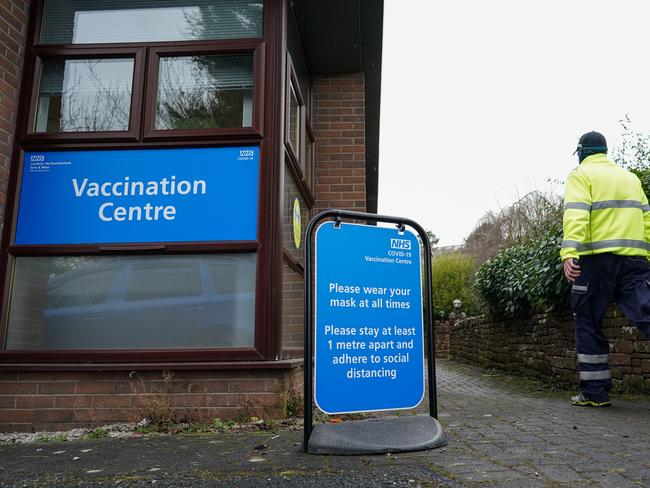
<point>369,319</point>
<point>143,195</point>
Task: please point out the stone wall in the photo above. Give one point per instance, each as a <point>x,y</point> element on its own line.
<point>543,346</point>
<point>441,338</point>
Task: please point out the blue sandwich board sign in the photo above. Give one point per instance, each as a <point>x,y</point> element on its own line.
<point>368,319</point>
<point>143,195</point>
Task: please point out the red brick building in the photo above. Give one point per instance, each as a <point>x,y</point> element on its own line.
<point>101,330</point>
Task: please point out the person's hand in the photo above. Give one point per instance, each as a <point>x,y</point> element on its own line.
<point>571,270</point>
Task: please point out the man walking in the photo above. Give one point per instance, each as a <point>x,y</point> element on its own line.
<point>604,252</point>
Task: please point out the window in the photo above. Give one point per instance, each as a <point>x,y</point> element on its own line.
<point>294,121</point>
<point>115,21</point>
<point>297,196</point>
<point>132,302</point>
<point>84,95</point>
<point>203,92</point>
<point>89,288</point>
<point>141,77</point>
<point>299,140</point>
<point>92,81</point>
<point>161,280</point>
<point>299,60</point>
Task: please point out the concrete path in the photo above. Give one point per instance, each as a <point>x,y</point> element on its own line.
<point>503,433</point>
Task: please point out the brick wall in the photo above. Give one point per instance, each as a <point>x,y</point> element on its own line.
<point>13,28</point>
<point>61,400</point>
<point>543,346</point>
<point>339,127</point>
<point>31,400</point>
<point>340,156</point>
<point>293,306</point>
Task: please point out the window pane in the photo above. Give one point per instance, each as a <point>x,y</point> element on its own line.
<point>84,95</point>
<point>87,289</point>
<point>205,92</point>
<point>150,281</point>
<point>132,302</point>
<point>299,60</point>
<point>226,279</point>
<point>111,21</point>
<point>294,122</point>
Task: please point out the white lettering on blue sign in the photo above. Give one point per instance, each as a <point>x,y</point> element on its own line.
<point>403,244</point>
<point>369,339</point>
<point>108,211</point>
<point>143,195</point>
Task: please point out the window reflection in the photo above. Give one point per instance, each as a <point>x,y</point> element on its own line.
<point>84,95</point>
<point>132,302</point>
<point>112,21</point>
<point>202,92</point>
<point>294,122</point>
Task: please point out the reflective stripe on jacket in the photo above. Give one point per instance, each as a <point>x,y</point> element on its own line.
<point>605,210</point>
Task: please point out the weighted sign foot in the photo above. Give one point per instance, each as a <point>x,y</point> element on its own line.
<point>377,436</point>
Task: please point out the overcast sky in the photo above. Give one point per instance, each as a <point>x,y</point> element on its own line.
<point>484,101</point>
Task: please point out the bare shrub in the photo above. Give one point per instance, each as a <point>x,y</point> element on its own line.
<point>528,218</point>
<point>157,406</point>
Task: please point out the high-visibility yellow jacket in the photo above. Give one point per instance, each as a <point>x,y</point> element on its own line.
<point>605,210</point>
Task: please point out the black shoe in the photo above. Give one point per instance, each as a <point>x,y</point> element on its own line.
<point>581,400</point>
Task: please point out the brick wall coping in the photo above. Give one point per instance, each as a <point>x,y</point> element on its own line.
<point>230,365</point>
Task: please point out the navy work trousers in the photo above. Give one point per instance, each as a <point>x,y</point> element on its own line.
<point>626,279</point>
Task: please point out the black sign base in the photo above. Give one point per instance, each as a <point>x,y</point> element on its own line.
<point>377,436</point>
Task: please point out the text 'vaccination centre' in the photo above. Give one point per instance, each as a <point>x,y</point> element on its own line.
<point>160,160</point>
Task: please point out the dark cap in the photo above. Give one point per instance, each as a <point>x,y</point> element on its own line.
<point>593,140</point>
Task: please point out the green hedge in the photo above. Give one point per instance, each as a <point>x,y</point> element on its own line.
<point>452,276</point>
<point>525,278</point>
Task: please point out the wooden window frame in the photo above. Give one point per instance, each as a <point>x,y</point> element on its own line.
<point>296,161</point>
<point>292,86</point>
<point>309,134</point>
<point>44,54</point>
<point>254,47</point>
<point>266,113</point>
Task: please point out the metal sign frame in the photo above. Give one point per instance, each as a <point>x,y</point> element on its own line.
<point>401,223</point>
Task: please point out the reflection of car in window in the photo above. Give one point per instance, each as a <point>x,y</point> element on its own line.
<point>135,303</point>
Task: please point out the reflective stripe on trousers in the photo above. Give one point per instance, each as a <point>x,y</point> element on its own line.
<point>593,358</point>
<point>601,360</point>
<point>595,375</point>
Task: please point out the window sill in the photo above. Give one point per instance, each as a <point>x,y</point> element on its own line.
<point>224,365</point>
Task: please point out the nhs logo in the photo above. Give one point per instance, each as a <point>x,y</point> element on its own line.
<point>400,244</point>
<point>246,153</point>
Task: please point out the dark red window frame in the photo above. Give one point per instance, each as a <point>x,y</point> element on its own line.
<point>266,113</point>
<point>43,54</point>
<point>248,46</point>
<point>296,158</point>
